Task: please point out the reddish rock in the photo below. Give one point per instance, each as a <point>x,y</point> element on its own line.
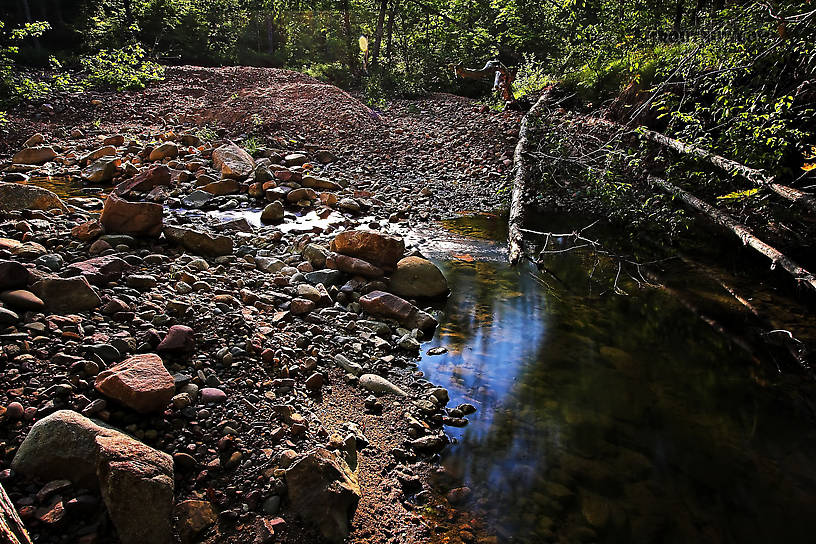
<point>314,382</point>
<point>137,218</point>
<point>382,250</point>
<point>88,231</point>
<point>198,242</point>
<point>384,304</point>
<point>354,266</point>
<point>12,275</point>
<point>145,181</point>
<point>140,382</point>
<point>100,270</point>
<point>178,338</point>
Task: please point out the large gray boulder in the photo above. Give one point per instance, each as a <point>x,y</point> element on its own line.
<point>136,480</point>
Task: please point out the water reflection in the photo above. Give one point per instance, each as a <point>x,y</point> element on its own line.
<point>611,419</point>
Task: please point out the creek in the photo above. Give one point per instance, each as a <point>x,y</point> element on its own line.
<point>608,417</point>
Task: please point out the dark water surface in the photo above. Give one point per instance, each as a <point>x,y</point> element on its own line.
<point>605,418</point>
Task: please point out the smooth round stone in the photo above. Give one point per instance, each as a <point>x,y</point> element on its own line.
<point>212,395</point>
<point>15,411</point>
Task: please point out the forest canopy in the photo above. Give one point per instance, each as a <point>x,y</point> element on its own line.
<point>738,76</point>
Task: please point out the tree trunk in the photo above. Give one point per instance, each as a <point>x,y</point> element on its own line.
<point>521,179</point>
<point>390,32</point>
<point>802,277</point>
<point>375,49</point>
<point>678,19</point>
<point>758,177</point>
<point>12,530</point>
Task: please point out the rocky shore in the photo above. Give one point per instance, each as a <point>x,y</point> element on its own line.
<point>174,373</point>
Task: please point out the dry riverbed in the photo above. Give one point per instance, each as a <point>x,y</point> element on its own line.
<point>213,346</point>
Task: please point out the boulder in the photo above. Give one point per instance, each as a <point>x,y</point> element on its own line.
<point>140,382</point>
<point>17,196</point>
<point>98,153</point>
<point>324,492</point>
<point>99,270</point>
<point>382,250</point>
<point>13,275</point>
<point>25,250</point>
<point>354,266</point>
<point>380,303</point>
<point>198,242</point>
<point>296,195</point>
<point>145,181</point>
<point>137,218</point>
<point>34,155</point>
<point>67,294</point>
<point>233,162</point>
<point>136,481</point>
<point>418,277</point>
<point>272,213</point>
<point>316,255</point>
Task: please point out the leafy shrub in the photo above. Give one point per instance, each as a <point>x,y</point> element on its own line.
<point>125,69</point>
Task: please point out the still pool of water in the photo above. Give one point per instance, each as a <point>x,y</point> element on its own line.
<point>606,418</point>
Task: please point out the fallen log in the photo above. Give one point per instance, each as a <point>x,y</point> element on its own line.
<point>12,530</point>
<point>800,275</point>
<point>521,179</point>
<point>755,176</point>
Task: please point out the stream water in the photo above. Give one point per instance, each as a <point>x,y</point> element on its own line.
<point>607,418</point>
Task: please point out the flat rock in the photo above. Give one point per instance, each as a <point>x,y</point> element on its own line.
<point>380,303</point>
<point>21,299</point>
<point>99,270</point>
<point>146,181</point>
